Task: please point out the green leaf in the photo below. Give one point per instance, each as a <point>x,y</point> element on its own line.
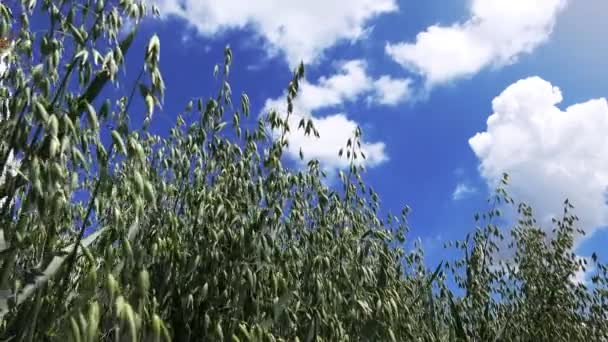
<point>460,331</point>
<point>102,78</point>
<point>49,271</point>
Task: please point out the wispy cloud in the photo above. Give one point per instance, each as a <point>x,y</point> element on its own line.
<point>462,191</point>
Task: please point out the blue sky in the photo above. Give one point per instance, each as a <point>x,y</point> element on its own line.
<point>421,78</point>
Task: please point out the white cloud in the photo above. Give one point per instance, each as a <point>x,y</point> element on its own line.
<point>391,91</point>
<point>462,191</point>
<point>496,34</point>
<point>350,84</point>
<point>347,85</point>
<point>549,153</point>
<point>581,276</point>
<point>334,131</point>
<point>302,30</point>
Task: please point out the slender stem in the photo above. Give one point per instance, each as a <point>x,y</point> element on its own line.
<point>83,226</point>
<point>72,258</point>
<point>38,305</point>
<point>132,94</point>
<point>62,85</point>
<point>7,266</point>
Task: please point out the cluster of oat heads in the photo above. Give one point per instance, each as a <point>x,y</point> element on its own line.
<point>204,234</point>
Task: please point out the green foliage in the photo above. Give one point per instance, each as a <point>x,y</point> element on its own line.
<point>205,235</point>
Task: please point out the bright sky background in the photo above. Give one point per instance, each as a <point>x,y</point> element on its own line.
<point>450,94</point>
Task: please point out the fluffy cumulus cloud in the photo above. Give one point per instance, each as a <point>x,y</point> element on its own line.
<point>348,84</point>
<point>496,33</point>
<point>351,83</point>
<point>550,153</point>
<point>302,30</point>
<point>334,131</point>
